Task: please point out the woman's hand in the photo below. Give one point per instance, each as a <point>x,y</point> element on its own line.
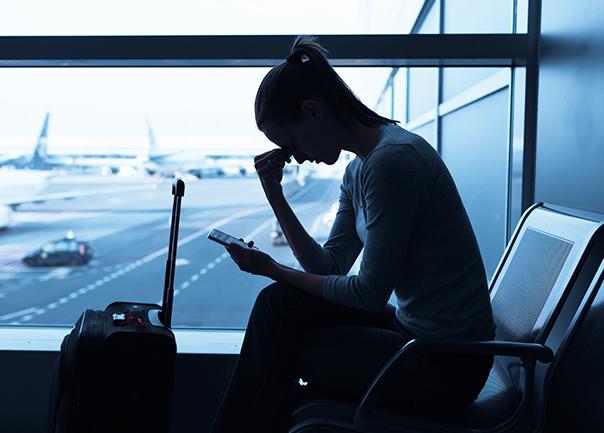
<point>252,260</point>
<point>269,167</point>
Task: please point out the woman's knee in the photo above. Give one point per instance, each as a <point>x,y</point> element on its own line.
<point>278,298</point>
<point>272,297</point>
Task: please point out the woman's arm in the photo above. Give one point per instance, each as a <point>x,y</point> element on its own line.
<point>343,246</point>
<point>259,263</point>
<point>269,167</point>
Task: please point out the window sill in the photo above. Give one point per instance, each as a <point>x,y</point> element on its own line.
<point>188,341</point>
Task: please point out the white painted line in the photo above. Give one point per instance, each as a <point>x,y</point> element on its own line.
<point>195,277</point>
<point>203,231</point>
<point>258,229</point>
<point>18,313</point>
<point>27,313</point>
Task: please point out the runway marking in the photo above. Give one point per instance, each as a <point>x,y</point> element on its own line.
<point>17,313</point>
<point>30,313</point>
<point>212,264</point>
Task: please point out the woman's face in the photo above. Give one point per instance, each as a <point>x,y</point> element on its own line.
<point>314,137</point>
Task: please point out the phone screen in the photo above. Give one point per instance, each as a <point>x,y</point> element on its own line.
<point>224,239</point>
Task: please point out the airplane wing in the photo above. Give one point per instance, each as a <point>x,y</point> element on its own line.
<point>70,195</point>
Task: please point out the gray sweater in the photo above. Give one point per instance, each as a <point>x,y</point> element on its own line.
<point>400,206</point>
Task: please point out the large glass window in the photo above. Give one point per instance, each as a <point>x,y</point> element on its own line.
<point>478,16</point>
<point>474,147</point>
<point>193,17</point>
<point>117,136</point>
<point>478,128</point>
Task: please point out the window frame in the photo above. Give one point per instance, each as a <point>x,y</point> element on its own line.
<point>409,50</point>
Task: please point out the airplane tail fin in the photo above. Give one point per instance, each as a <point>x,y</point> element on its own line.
<point>39,156</point>
<point>153,146</point>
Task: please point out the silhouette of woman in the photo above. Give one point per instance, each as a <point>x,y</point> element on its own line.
<point>399,205</point>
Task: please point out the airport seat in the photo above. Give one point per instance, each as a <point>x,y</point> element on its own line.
<point>576,395</point>
<point>537,292</point>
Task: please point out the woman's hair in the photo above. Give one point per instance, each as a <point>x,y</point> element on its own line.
<point>307,74</point>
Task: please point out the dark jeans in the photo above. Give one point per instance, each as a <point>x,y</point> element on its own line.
<point>338,350</point>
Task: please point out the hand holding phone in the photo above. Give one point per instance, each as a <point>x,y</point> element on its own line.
<point>225,239</point>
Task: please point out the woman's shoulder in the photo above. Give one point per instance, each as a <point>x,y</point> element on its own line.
<point>401,147</point>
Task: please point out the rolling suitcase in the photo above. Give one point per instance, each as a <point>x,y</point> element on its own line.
<point>116,367</point>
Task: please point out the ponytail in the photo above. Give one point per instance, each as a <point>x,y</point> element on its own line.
<point>305,74</point>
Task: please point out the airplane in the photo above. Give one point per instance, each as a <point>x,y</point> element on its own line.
<point>113,163</point>
<point>38,159</point>
<point>224,160</point>
<point>23,179</point>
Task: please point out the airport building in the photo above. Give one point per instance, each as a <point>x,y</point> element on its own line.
<point>104,106</point>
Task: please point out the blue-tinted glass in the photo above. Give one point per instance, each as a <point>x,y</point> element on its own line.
<point>456,80</point>
<point>427,132</point>
<point>195,17</point>
<point>384,105</point>
<point>399,90</point>
<point>474,148</point>
<point>431,22</point>
<point>478,16</point>
<point>522,16</point>
<point>422,91</point>
<point>517,148</point>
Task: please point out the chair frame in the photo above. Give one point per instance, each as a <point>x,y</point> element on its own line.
<point>532,354</point>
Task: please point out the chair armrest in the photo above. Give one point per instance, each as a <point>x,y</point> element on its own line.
<point>502,348</point>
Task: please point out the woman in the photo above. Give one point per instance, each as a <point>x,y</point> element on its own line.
<point>400,206</point>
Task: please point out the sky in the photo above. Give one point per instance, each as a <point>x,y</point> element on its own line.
<point>104,109</point>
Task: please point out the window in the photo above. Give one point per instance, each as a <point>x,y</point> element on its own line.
<point>474,118</point>
<point>191,17</point>
<point>120,134</point>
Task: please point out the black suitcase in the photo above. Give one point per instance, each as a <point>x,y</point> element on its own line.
<point>116,367</point>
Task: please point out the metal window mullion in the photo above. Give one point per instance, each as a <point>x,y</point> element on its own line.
<point>509,156</point>
<point>440,4</point>
<point>261,51</point>
<point>530,110</point>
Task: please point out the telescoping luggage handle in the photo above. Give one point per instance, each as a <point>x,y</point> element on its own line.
<point>178,191</point>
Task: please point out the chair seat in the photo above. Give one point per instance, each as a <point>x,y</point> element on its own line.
<point>497,400</point>
<point>495,403</point>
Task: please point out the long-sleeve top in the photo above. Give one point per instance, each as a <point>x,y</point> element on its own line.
<point>400,207</point>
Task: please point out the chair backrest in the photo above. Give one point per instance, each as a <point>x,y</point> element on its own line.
<point>540,267</point>
<point>536,272</point>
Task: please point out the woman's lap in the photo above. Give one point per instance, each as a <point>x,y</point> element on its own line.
<point>337,349</point>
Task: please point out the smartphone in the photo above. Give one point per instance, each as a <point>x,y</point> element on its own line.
<point>224,239</point>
